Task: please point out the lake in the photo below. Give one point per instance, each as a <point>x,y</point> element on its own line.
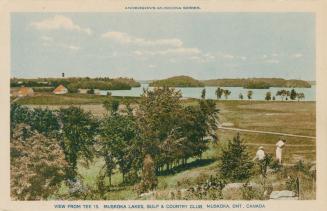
<point>195,92</point>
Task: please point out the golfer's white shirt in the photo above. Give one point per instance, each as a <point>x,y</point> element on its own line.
<point>279,146</point>
<point>260,154</point>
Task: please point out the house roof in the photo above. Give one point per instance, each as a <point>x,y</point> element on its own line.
<point>60,88</point>
<point>25,90</point>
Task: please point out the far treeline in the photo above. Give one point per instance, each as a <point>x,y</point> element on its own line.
<point>257,83</point>
<point>178,81</point>
<point>248,83</point>
<point>75,83</point>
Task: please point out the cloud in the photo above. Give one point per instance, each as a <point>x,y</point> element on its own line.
<point>272,61</point>
<point>47,39</point>
<point>126,39</point>
<point>228,56</point>
<point>73,47</point>
<point>297,55</point>
<point>178,52</point>
<point>60,22</point>
<point>152,66</point>
<point>50,42</point>
<point>170,48</point>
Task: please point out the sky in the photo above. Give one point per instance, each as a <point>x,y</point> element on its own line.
<point>149,46</point>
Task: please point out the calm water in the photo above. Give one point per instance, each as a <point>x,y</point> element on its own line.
<point>195,92</point>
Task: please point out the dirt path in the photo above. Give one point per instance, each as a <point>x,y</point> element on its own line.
<point>265,132</point>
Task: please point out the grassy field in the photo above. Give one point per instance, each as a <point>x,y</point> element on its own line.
<point>297,118</point>
<point>67,99</point>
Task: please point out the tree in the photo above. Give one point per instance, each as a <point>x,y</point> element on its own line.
<point>300,96</point>
<point>37,165</point>
<point>240,96</point>
<point>171,132</point>
<point>268,96</point>
<point>111,105</point>
<point>159,113</point>
<point>90,91</point>
<point>44,121</point>
<point>18,114</point>
<point>235,162</point>
<point>78,130</point>
<point>249,94</point>
<point>293,94</point>
<point>282,93</point>
<point>203,94</point>
<point>227,93</point>
<point>119,144</point>
<point>219,92</point>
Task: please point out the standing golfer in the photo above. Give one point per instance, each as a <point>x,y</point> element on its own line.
<point>279,148</point>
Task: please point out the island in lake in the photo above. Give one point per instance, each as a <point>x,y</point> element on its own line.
<point>248,83</point>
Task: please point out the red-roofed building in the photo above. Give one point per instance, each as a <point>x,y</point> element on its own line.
<point>23,92</point>
<point>60,90</point>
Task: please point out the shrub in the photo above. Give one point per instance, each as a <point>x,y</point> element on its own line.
<point>292,184</point>
<point>236,164</point>
<point>275,165</point>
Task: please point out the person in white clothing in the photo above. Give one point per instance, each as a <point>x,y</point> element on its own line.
<point>260,158</point>
<point>279,148</point>
<point>260,155</point>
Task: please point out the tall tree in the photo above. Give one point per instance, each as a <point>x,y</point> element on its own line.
<point>159,113</point>
<point>227,93</point>
<point>293,94</point>
<point>282,93</point>
<point>249,94</point>
<point>78,132</point>
<point>300,96</point>
<point>203,94</point>
<point>219,92</point>
<point>119,143</point>
<point>268,96</point>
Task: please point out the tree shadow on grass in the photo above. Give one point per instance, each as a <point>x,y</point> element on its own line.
<point>187,166</point>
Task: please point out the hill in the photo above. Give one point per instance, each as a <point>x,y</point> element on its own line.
<point>257,83</point>
<point>178,81</point>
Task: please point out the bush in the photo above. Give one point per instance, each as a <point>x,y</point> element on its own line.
<point>274,165</point>
<point>292,184</point>
<point>236,164</point>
